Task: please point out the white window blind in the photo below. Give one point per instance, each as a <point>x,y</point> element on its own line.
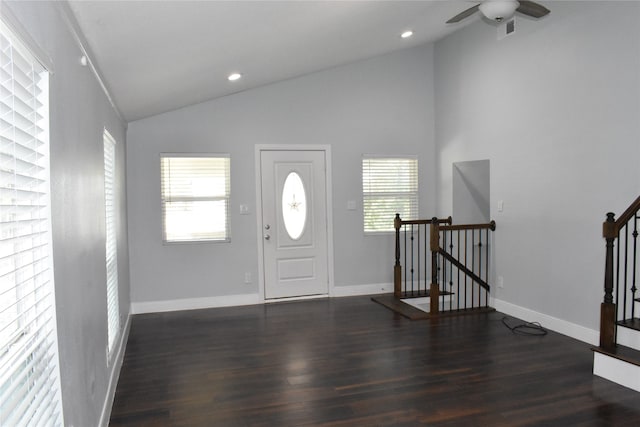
<point>113,306</point>
<point>29,380</point>
<point>389,186</point>
<point>195,197</point>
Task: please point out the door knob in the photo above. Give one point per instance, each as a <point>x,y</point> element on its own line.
<point>267,236</point>
<point>266,227</point>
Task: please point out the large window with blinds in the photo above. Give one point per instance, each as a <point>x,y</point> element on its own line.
<point>195,197</point>
<point>389,186</point>
<point>113,306</point>
<point>29,380</point>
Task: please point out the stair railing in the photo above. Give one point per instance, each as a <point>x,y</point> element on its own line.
<point>411,246</point>
<point>465,265</point>
<point>459,259</point>
<point>621,275</point>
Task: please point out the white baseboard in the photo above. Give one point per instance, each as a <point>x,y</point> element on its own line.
<point>561,326</point>
<point>194,303</point>
<point>246,299</point>
<point>114,375</point>
<point>616,370</point>
<point>355,290</point>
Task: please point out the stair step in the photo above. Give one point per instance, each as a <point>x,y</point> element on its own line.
<point>422,293</point>
<point>402,308</point>
<point>621,352</point>
<point>630,323</point>
<point>413,313</point>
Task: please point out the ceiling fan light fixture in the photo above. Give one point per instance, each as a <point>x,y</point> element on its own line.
<point>499,10</point>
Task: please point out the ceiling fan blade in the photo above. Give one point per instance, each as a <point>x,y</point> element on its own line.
<point>532,9</point>
<point>459,17</point>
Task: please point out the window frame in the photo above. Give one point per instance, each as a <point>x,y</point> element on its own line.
<point>412,196</point>
<point>33,349</point>
<point>226,198</point>
<point>111,242</point>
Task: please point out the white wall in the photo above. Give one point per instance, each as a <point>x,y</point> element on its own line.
<point>79,112</point>
<point>556,109</point>
<point>382,105</point>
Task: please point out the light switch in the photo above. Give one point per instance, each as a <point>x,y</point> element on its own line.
<point>500,205</point>
<point>351,205</point>
<point>244,209</point>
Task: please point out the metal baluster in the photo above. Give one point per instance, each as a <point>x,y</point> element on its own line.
<point>626,270</point>
<point>458,293</point>
<point>451,271</point>
<point>444,269</point>
<point>479,266</point>
<point>404,293</point>
<point>466,249</point>
<point>486,270</point>
<point>634,264</point>
<point>426,276</point>
<point>397,268</point>
<point>412,275</point>
<point>618,280</point>
<point>437,269</point>
<point>418,233</point>
<point>473,265</point>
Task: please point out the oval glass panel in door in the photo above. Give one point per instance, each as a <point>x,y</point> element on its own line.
<point>294,205</point>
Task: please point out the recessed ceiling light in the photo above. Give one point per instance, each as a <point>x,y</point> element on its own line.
<point>406,34</point>
<point>233,77</point>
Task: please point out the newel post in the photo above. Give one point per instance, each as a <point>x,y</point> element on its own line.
<point>434,246</point>
<point>608,308</point>
<point>397,268</point>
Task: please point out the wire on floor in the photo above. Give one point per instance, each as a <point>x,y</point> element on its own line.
<point>526,328</point>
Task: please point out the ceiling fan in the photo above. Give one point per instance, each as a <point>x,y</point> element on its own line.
<point>500,10</point>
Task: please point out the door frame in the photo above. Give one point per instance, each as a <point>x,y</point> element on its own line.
<point>259,148</point>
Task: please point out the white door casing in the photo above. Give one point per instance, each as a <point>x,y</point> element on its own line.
<point>295,257</point>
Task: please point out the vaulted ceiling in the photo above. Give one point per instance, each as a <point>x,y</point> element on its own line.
<point>157,56</point>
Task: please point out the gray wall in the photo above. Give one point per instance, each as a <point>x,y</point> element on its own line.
<point>471,188</point>
<point>556,108</point>
<point>79,112</point>
<point>383,105</point>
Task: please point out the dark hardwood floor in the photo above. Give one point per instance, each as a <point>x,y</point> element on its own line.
<point>352,362</point>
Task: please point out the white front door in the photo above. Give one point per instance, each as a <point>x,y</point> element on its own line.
<point>294,223</point>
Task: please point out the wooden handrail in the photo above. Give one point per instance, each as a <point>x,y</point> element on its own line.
<point>628,214</point>
<point>490,226</point>
<point>423,221</point>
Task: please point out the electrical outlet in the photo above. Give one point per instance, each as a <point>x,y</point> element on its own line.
<point>500,282</point>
